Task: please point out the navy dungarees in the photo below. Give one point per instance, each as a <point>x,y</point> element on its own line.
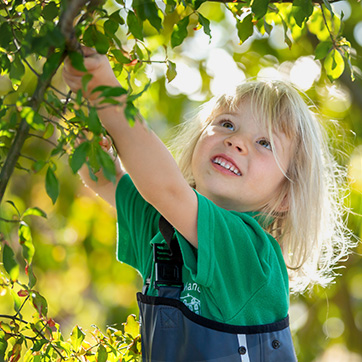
<point>172,332</point>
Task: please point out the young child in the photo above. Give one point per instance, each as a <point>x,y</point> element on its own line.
<point>253,196</point>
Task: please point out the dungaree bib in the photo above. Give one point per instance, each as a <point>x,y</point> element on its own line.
<point>172,332</point>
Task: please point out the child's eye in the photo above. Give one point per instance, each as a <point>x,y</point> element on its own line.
<point>265,143</point>
<point>227,124</point>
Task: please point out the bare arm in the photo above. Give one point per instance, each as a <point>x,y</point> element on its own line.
<point>103,187</point>
<point>149,163</point>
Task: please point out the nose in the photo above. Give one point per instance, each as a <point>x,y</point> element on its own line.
<point>237,143</point>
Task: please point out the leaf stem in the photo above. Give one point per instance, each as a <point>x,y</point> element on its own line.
<point>326,23</point>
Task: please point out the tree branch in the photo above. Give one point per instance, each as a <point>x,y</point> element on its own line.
<point>72,9</point>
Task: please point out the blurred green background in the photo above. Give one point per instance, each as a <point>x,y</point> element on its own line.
<point>75,247</point>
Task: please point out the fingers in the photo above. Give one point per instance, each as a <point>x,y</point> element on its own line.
<point>74,82</point>
<point>87,52</point>
<point>106,143</point>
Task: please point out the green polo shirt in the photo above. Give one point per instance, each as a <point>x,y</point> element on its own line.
<point>236,276</point>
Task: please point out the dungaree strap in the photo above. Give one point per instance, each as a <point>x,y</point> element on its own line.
<point>168,264</point>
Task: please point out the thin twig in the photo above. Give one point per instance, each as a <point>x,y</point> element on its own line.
<point>59,114</point>
<point>58,91</point>
<point>27,157</point>
<point>13,318</point>
<point>7,220</point>
<point>21,307</point>
<point>68,15</point>
<point>326,23</point>
<point>44,139</point>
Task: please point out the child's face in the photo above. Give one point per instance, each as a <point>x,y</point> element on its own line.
<point>233,163</point>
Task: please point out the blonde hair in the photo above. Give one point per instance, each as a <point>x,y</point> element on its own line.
<point>311,232</point>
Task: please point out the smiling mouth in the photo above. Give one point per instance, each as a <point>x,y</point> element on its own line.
<point>226,165</point>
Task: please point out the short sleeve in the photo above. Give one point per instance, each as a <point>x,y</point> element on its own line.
<point>233,259</point>
<point>137,223</point>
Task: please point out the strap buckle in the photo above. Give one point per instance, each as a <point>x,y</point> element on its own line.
<point>168,267</point>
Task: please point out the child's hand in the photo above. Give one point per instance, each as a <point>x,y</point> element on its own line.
<point>97,65</point>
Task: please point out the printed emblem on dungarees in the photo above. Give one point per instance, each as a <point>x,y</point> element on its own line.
<point>189,297</point>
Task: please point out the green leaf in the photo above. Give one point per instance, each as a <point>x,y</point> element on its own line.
<point>10,264</point>
<point>328,6</point>
<point>6,37</point>
<point>117,17</point>
<point>110,26</point>
<point>77,336</point>
<point>147,10</point>
<point>259,8</point>
<point>170,6</point>
<point>138,52</point>
<point>134,25</point>
<point>51,184</point>
<point>3,346</point>
<point>102,354</point>
<point>205,24</point>
<point>32,278</point>
<point>34,211</point>
<point>16,300</point>
<point>197,3</point>
<point>322,49</point>
<point>107,163</point>
<point>286,37</point>
<point>245,28</point>
<point>94,124</point>
<point>268,28</point>
<point>132,326</point>
<point>39,303</point>
<point>38,344</point>
<point>101,41</point>
<point>79,156</point>
<point>26,242</point>
<point>17,68</point>
<point>302,10</point>
<point>133,97</point>
<point>107,91</point>
<point>14,206</point>
<point>130,112</point>
<point>38,165</point>
<point>77,61</point>
<point>334,64</point>
<point>171,71</point>
<point>121,58</point>
<point>50,11</point>
<point>179,32</point>
<point>65,346</point>
<point>34,119</point>
<point>85,80</point>
<point>51,64</point>
<point>15,353</point>
<point>49,130</point>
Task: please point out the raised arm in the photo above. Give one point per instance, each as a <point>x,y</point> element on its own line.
<point>103,187</point>
<point>149,163</point>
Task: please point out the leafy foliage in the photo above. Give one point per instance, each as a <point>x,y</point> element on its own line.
<point>36,109</point>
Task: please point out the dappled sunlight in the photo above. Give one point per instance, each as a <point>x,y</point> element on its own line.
<point>224,72</point>
<point>305,72</point>
<point>187,81</point>
<point>357,32</point>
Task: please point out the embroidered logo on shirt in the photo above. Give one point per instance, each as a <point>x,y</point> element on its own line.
<point>192,303</point>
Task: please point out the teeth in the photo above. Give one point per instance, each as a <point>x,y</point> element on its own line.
<point>227,166</point>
